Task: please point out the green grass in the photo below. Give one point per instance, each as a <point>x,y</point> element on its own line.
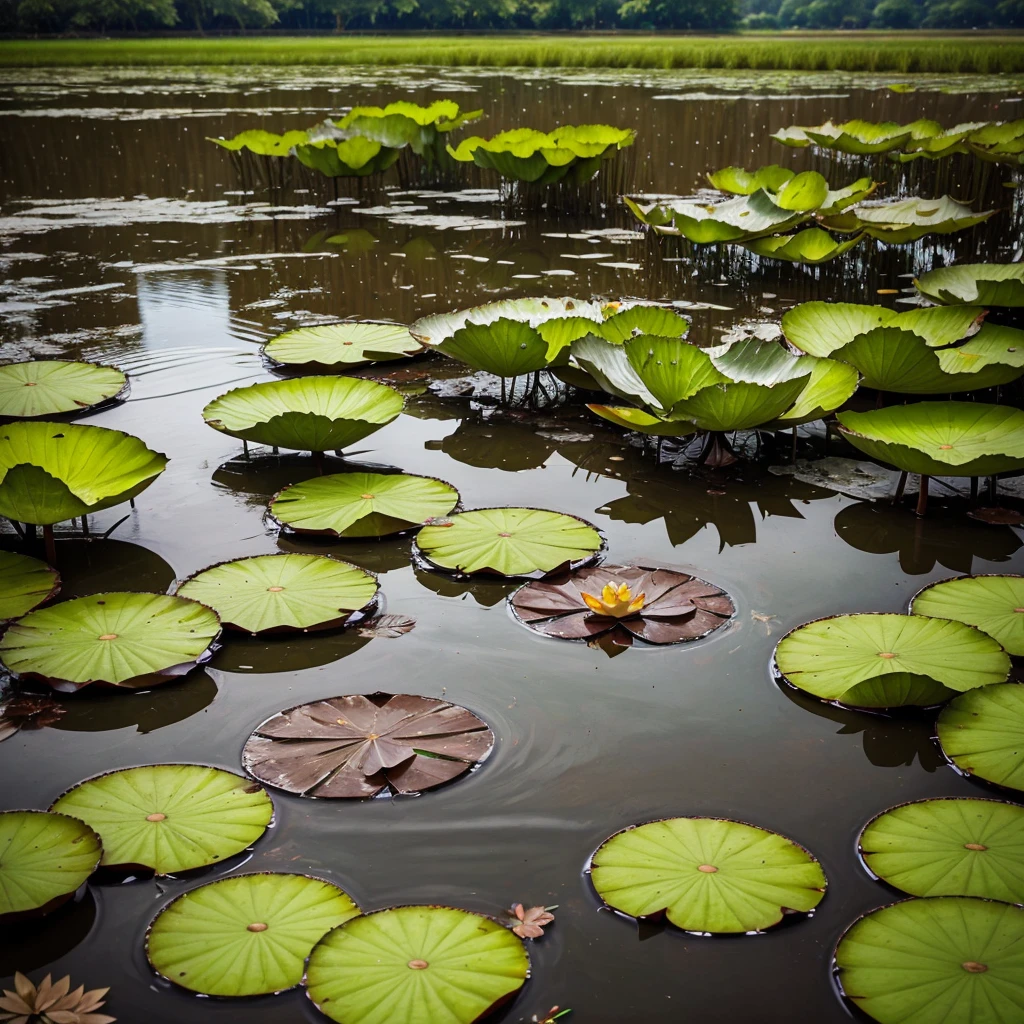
<point>905,53</point>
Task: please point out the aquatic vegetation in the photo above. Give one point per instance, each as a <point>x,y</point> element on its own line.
<point>362,504</point>
<point>52,1002</point>
<point>955,846</point>
<point>707,875</point>
<point>399,124</point>
<point>980,284</point>
<point>739,219</point>
<point>884,661</point>
<point>811,246</point>
<point>46,387</point>
<point>25,583</point>
<point>803,192</point>
<point>169,818</point>
<point>995,604</point>
<point>360,746</point>
<point>335,348</point>
<point>857,136</point>
<point>345,157</point>
<point>19,713</point>
<point>982,734</point>
<point>623,603</point>
<point>415,957</point>
<point>899,221</point>
<point>964,956</point>
<point>263,143</point>
<point>530,922</point>
<point>247,935</point>
<point>44,859</point>
<point>386,627</point>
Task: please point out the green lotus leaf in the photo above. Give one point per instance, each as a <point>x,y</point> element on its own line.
<point>654,215</point>
<point>305,413</point>
<point>794,137</point>
<point>745,183</point>
<point>982,284</point>
<point>415,964</point>
<point>562,331</point>
<point>45,387</point>
<point>839,199</point>
<point>995,604</point>
<point>906,220</point>
<point>643,422</point>
<point>1002,142</point>
<point>25,583</point>
<point>408,124</point>
<point>803,193</point>
<point>610,367</point>
<point>508,541</point>
<point>263,143</point>
<point>940,438</point>
<point>942,144</point>
<point>998,133</point>
<point>342,158</point>
<point>50,472</point>
<point>982,733</point>
<point>935,961</point>
<point>44,859</point>
<point>707,875</point>
<point>750,360</point>
<point>628,321</point>
<point>828,658</point>
<point>734,220</point>
<point>506,348</point>
<point>169,818</point>
<point>959,846</point>
<point>363,504</point>
<point>117,639</point>
<point>727,407</point>
<point>341,346</point>
<point>671,369</point>
<point>830,385</point>
<point>248,935</point>
<point>812,246</point>
<point>859,137</point>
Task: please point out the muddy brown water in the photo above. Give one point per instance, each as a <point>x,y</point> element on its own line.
<point>124,236</point>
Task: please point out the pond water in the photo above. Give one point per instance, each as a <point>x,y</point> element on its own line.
<point>125,237</point>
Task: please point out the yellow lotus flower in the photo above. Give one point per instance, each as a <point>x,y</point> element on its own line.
<point>617,602</point>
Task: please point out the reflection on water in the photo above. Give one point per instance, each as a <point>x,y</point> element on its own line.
<point>97,565</point>
<point>487,593</point>
<point>284,653</point>
<point>30,945</point>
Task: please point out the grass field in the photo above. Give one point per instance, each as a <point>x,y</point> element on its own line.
<point>904,53</point>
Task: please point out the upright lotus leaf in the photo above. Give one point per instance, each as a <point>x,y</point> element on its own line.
<point>741,406</point>
<point>830,385</point>
<point>958,846</point>
<point>995,604</point>
<point>859,137</point>
<point>982,733</point>
<point>749,360</point>
<point>707,875</point>
<point>612,370</point>
<point>654,215</point>
<point>744,183</point>
<point>981,284</point>
<point>803,193</point>
<point>628,321</point>
<point>169,818</point>
<point>733,220</point>
<point>793,136</point>
<point>940,438</point>
<point>940,145</point>
<point>355,157</point>
<point>811,246</point>
<point>671,369</point>
<point>334,348</point>
<point>408,124</point>
<point>906,220</point>
<point>25,583</point>
<point>248,935</point>
<point>1002,142</point>
<point>360,746</point>
<point>46,387</point>
<point>935,961</point>
<point>881,660</point>
<point>362,504</point>
<point>415,964</point>
<point>44,859</point>
<point>263,143</point>
<point>306,413</point>
<point>995,351</point>
<point>50,472</point>
<point>839,199</point>
<point>132,641</point>
<point>643,422</point>
<point>508,541</point>
<point>506,348</point>
<point>282,593</point>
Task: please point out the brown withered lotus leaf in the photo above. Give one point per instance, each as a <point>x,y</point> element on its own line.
<point>357,746</point>
<point>677,607</point>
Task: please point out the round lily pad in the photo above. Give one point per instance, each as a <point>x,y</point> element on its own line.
<point>995,604</point>
<point>879,660</point>
<point>414,964</point>
<point>508,541</point>
<point>282,593</point>
<point>955,846</point>
<point>936,961</point>
<point>706,874</point>
<point>169,818</point>
<point>46,387</point>
<point>44,858</point>
<point>133,641</point>
<point>982,733</point>
<point>248,935</point>
<point>359,746</point>
<point>25,583</point>
<point>362,504</point>
<point>341,346</point>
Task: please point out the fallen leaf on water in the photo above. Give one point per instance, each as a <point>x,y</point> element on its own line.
<point>52,1003</point>
<point>552,1015</point>
<point>387,626</point>
<point>998,516</point>
<point>27,713</point>
<point>531,920</point>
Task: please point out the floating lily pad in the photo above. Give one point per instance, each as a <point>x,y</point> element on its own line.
<point>995,604</point>
<point>45,387</point>
<point>812,246</point>
<point>134,641</point>
<point>957,846</point>
<point>880,660</point>
<point>415,964</point>
<point>25,583</point>
<point>935,961</point>
<point>975,284</point>
<point>982,733</point>
<point>282,593</point>
<point>899,221</point>
<point>314,414</point>
<point>508,541</point>
<point>169,818</point>
<point>248,935</point>
<point>44,859</point>
<point>707,875</point>
<point>359,746</point>
<point>362,504</point>
<point>341,346</point>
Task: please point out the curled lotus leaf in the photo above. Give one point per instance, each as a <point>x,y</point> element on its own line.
<point>169,818</point>
<point>982,734</point>
<point>359,746</point>
<point>354,157</point>
<point>707,875</point>
<point>740,406</point>
<point>403,123</point>
<point>906,220</point>
<point>643,422</point>
<point>263,143</point>
<point>25,583</point>
<point>980,284</point>
<point>248,935</point>
<point>658,606</point>
<point>944,143</point>
<point>741,182</point>
<point>812,246</point>
<point>857,136</point>
<point>830,385</point>
<point>995,604</point>
<point>341,346</point>
<point>47,387</point>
